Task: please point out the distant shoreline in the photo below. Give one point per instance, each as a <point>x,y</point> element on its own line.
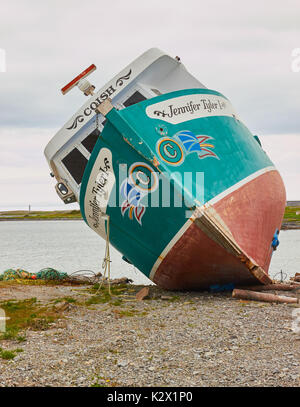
<point>291,219</point>
<point>285,226</point>
<point>39,215</point>
<point>290,226</point>
<point>37,219</point>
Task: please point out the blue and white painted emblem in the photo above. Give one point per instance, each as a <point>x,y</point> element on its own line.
<point>173,150</point>
<point>199,144</point>
<point>142,179</point>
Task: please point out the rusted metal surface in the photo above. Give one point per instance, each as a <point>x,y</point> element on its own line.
<point>229,242</point>
<point>215,228</point>
<point>196,261</point>
<point>253,213</point>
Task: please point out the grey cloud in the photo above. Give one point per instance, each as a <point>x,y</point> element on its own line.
<point>242,50</point>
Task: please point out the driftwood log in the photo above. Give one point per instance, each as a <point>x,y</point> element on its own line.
<point>269,287</point>
<point>143,293</point>
<point>257,296</point>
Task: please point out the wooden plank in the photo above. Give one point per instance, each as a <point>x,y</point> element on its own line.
<point>143,293</point>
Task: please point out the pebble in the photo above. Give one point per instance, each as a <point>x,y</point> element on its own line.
<point>123,363</point>
<point>198,340</point>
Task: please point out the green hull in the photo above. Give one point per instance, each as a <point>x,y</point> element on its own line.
<point>146,145</point>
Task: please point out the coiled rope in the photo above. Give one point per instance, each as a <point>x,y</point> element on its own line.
<point>49,273</point>
<point>283,276</point>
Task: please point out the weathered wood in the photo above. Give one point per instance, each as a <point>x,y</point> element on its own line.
<point>143,293</point>
<point>268,287</point>
<point>62,306</point>
<point>256,296</point>
<point>296,278</point>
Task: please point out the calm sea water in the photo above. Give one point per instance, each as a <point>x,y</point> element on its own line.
<point>63,245</point>
<point>70,245</point>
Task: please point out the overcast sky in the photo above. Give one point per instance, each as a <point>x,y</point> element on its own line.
<point>242,49</point>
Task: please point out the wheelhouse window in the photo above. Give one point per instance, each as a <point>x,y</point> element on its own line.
<point>75,162</point>
<point>135,98</point>
<point>90,141</point>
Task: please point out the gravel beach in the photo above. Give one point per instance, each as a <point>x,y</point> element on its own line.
<point>169,339</point>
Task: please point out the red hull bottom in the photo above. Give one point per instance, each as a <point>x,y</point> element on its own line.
<point>251,214</point>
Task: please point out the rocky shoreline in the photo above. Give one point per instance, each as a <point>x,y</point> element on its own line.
<point>290,226</point>
<point>169,339</point>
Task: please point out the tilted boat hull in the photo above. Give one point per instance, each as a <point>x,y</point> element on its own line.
<point>223,232</point>
<point>194,260</point>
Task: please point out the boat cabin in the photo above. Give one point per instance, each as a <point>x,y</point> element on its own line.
<point>152,74</point>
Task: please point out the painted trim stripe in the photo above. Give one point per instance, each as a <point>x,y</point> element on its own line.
<point>190,221</point>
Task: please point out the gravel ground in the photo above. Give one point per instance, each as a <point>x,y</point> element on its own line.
<point>171,339</point>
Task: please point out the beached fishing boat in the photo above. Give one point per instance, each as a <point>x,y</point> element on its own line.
<point>192,199</point>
